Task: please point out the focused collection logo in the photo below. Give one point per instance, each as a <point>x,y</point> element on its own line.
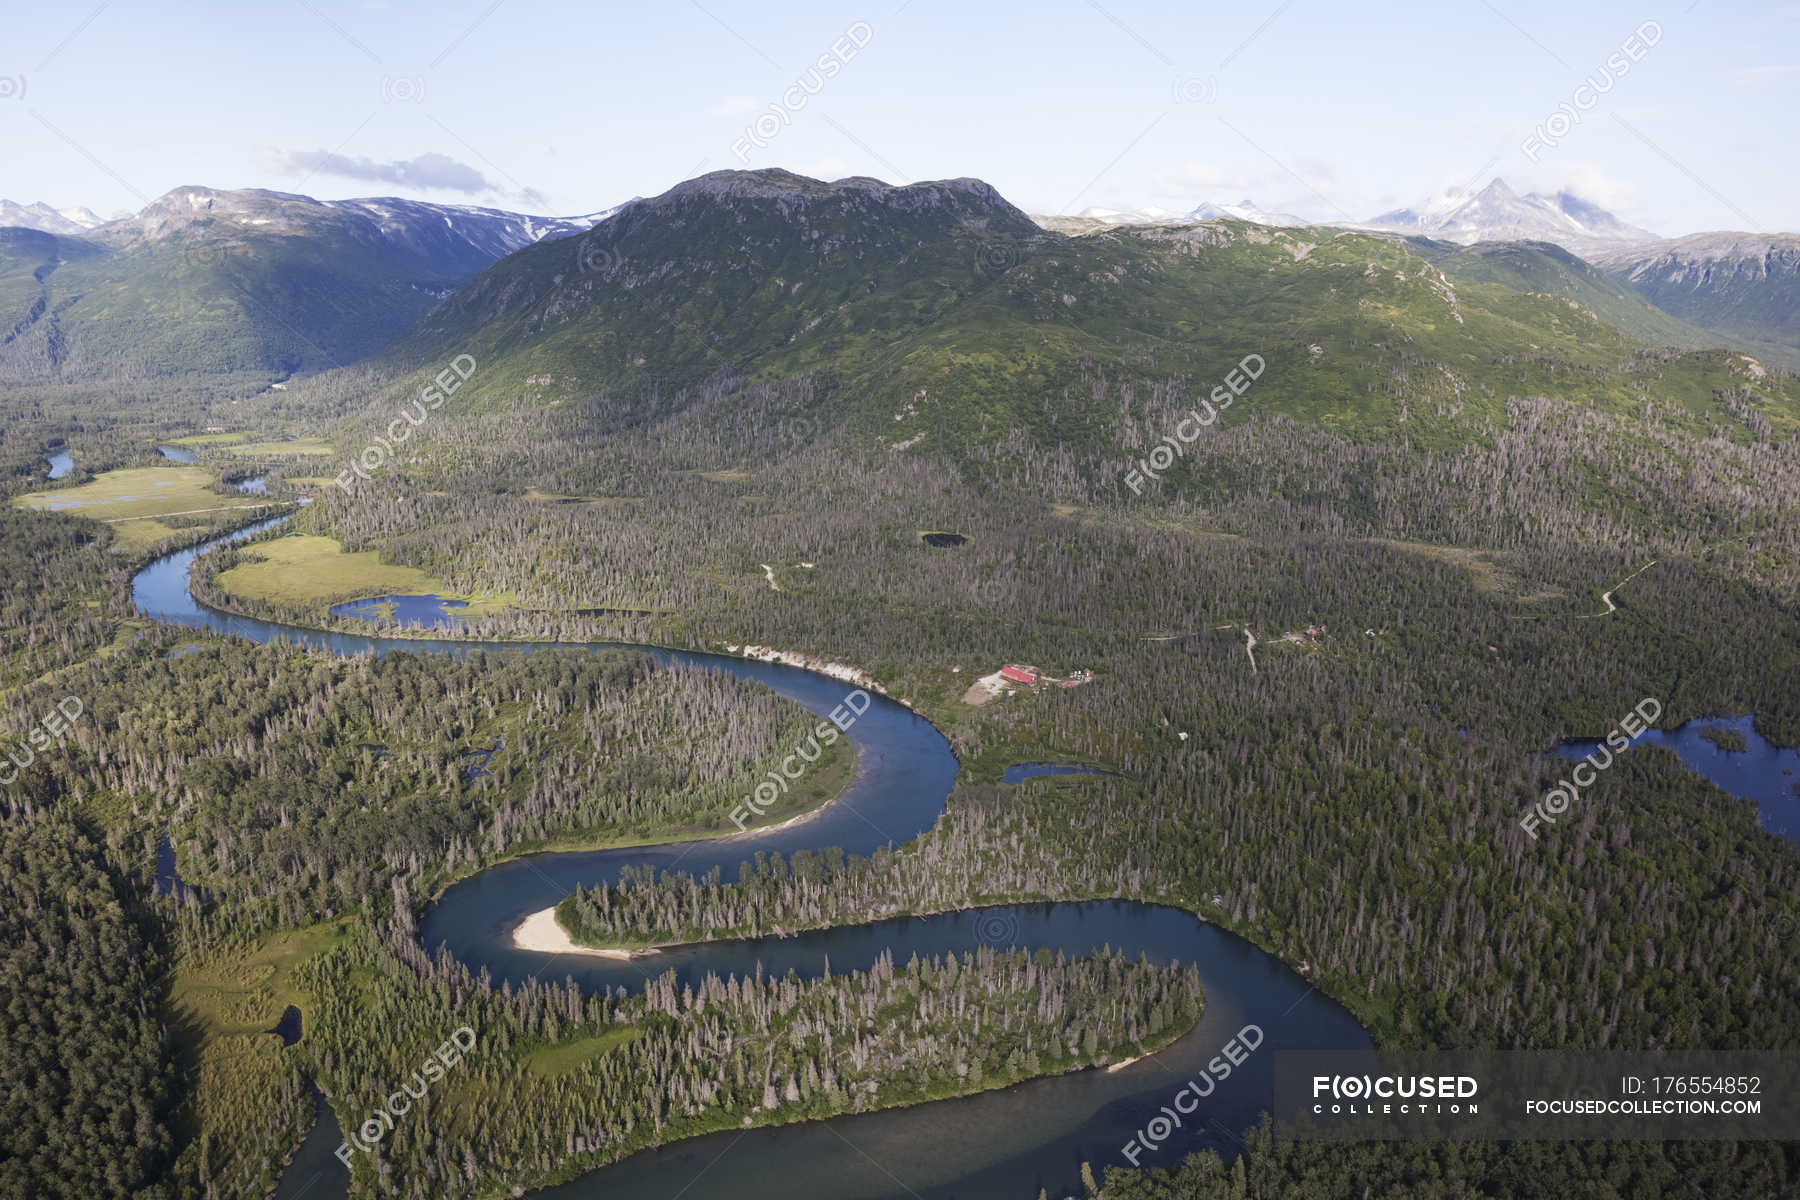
<point>1365,1095</point>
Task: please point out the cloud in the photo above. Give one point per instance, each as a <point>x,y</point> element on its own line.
<point>1590,183</point>
<point>436,172</point>
<point>733,106</point>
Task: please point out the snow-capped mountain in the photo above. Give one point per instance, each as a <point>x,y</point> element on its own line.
<point>444,232</point>
<point>1132,216</point>
<point>248,281</point>
<point>1745,285</point>
<point>490,230</point>
<point>1498,214</point>
<point>66,222</point>
<point>1091,219</point>
<point>1244,210</point>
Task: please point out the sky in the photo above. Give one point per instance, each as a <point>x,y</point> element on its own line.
<point>1329,111</point>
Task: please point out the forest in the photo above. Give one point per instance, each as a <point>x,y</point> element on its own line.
<point>1347,802</point>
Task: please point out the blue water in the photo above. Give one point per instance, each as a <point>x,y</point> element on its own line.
<point>61,463</point>
<point>180,454</point>
<point>1763,773</point>
<point>316,1172</point>
<point>258,486</point>
<point>168,881</point>
<point>407,610</point>
<point>290,1027</point>
<point>1020,772</point>
<point>1007,1143</point>
<point>477,769</point>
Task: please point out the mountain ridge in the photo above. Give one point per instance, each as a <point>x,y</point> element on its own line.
<point>954,314</point>
<point>44,218</point>
<point>208,281</point>
<point>1497,213</point>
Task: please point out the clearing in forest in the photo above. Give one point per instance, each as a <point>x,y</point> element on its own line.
<point>307,572</point>
<point>130,500</point>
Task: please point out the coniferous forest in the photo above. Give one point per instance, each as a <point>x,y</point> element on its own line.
<point>1320,665</point>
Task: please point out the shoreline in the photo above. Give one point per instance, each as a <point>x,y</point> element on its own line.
<point>539,932</point>
<point>811,814</point>
<point>1123,1063</point>
<point>809,662</point>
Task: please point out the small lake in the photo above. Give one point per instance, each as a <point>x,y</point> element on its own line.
<point>1020,772</point>
<point>168,881</point>
<point>402,610</point>
<point>288,1029</point>
<point>476,769</point>
<point>1762,773</point>
<point>258,486</point>
<point>61,463</point>
<point>180,454</point>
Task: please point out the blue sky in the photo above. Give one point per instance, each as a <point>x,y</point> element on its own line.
<point>1325,110</point>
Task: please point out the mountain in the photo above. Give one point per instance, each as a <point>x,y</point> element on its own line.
<point>216,282</point>
<point>731,267</point>
<point>1091,219</point>
<point>1136,216</point>
<point>1542,267</point>
<point>940,313</point>
<point>1498,214</point>
<point>1742,289</point>
<point>45,219</point>
<point>1245,210</point>
<point>448,237</point>
<point>1745,286</point>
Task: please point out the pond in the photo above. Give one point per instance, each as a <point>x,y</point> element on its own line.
<point>1762,773</point>
<point>402,610</point>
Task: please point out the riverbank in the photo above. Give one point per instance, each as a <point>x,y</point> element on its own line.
<point>915,770</point>
<point>810,662</point>
<point>540,933</point>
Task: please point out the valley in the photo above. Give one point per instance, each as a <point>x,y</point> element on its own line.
<point>846,688</point>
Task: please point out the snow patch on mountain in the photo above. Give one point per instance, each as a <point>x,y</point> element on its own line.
<point>1496,213</point>
<point>65,222</point>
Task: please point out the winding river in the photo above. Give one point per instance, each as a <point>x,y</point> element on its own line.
<point>1008,1143</point>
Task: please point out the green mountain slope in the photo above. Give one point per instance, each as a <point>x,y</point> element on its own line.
<point>729,269</point>
<point>1548,268</point>
<point>1744,286</point>
<point>939,310</point>
<point>210,283</point>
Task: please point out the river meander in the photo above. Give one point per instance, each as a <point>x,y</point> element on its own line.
<point>1007,1143</point>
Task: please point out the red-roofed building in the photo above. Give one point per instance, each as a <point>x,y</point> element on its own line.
<point>1017,674</point>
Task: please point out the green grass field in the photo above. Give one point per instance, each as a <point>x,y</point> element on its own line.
<point>238,443</point>
<point>308,572</point>
<point>210,439</point>
<point>308,447</point>
<point>563,1058</point>
<point>247,993</point>
<point>131,498</point>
